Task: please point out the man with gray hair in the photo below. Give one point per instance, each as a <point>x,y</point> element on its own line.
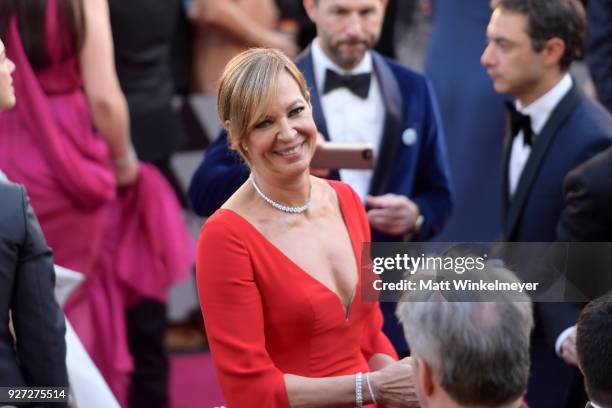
<point>468,354</point>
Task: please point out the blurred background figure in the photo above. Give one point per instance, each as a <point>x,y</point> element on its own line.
<point>103,213</point>
<point>472,114</point>
<point>34,353</point>
<point>594,354</point>
<point>222,30</point>
<point>226,28</point>
<point>599,48</point>
<point>144,68</point>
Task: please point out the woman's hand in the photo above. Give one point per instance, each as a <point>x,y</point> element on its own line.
<point>394,385</point>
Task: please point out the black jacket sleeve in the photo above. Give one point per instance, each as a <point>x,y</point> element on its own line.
<point>37,318</point>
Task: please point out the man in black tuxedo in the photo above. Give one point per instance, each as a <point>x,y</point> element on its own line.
<point>594,355</point>
<point>36,357</point>
<point>554,128</point>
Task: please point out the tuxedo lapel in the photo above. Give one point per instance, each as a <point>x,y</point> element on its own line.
<point>541,145</point>
<point>305,64</point>
<point>393,125</point>
<point>504,170</point>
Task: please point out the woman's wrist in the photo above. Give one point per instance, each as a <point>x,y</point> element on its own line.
<point>127,159</point>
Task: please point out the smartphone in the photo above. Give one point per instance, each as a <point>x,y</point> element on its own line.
<point>335,156</point>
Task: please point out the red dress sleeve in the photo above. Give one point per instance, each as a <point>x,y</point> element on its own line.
<point>233,315</point>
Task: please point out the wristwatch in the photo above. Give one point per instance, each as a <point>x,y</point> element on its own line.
<point>416,228</point>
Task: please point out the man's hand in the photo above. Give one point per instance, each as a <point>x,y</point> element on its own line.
<point>568,349</point>
<point>392,214</point>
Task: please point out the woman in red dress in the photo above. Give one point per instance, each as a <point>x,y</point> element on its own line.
<point>278,264</point>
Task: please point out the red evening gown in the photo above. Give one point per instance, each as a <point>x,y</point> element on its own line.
<point>265,316</point>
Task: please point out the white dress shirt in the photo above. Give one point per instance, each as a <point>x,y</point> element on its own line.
<point>539,112</point>
<point>349,118</point>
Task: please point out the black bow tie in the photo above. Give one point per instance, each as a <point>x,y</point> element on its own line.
<point>358,84</point>
<point>518,122</point>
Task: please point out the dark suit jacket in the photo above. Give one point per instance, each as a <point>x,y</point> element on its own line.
<point>587,215</point>
<point>577,129</point>
<point>599,48</point>
<point>27,279</point>
<point>418,171</point>
<point>587,218</point>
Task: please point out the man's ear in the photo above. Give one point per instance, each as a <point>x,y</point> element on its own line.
<point>580,367</point>
<point>426,378</point>
<point>311,9</point>
<point>553,51</point>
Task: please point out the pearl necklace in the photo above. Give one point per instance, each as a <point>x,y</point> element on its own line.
<point>282,207</point>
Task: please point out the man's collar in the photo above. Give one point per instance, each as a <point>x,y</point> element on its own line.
<point>540,110</point>
<point>321,62</point>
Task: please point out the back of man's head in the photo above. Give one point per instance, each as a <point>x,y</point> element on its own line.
<point>546,19</point>
<point>476,352</point>
<point>594,347</point>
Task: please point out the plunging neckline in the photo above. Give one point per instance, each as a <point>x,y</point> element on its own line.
<point>346,307</point>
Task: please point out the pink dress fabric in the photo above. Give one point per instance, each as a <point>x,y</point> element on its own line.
<point>130,243</point>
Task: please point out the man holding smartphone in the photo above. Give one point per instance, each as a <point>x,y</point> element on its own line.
<point>358,96</point>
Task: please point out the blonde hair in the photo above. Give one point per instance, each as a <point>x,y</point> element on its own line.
<point>247,88</point>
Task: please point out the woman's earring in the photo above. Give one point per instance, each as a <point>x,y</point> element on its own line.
<point>245,148</point>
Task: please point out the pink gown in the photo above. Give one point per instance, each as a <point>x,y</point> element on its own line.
<point>130,243</point>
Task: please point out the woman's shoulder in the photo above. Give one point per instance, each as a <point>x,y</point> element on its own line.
<point>222,224</point>
<point>345,192</point>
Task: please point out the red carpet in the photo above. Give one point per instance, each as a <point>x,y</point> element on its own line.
<point>193,382</point>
